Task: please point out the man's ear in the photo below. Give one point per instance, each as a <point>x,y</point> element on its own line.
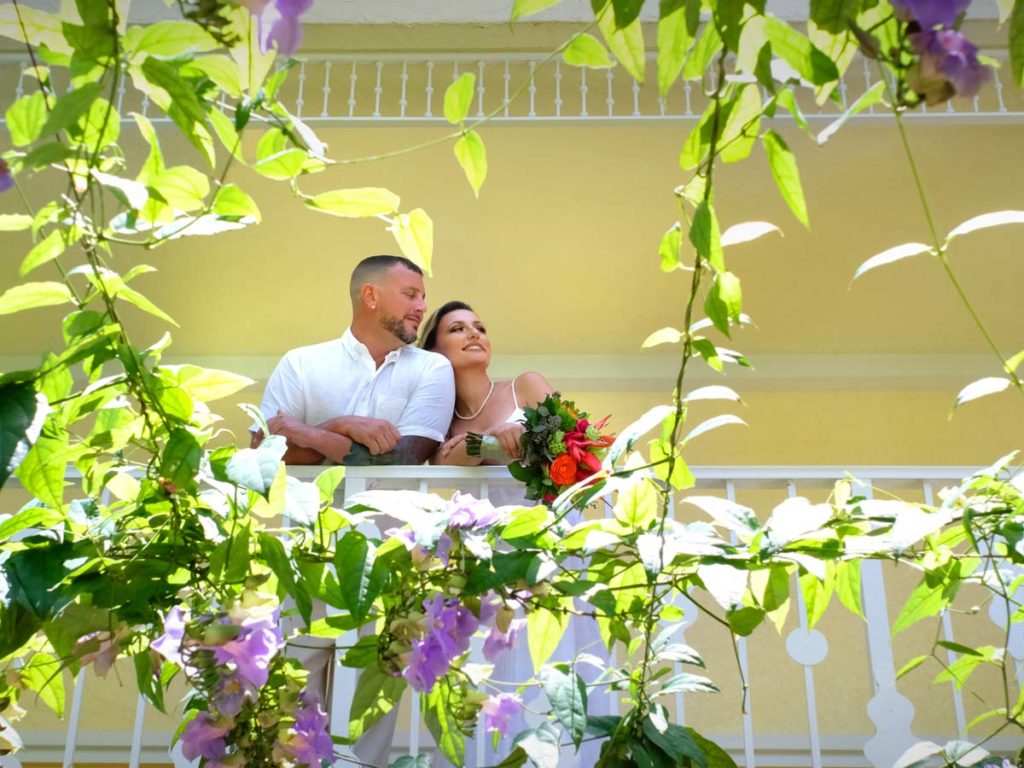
<point>369,295</point>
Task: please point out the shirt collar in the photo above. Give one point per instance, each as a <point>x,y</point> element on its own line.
<point>358,350</point>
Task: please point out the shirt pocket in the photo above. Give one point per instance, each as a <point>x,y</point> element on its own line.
<point>391,408</point>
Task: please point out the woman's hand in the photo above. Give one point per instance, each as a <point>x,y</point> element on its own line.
<point>450,444</point>
<point>508,436</point>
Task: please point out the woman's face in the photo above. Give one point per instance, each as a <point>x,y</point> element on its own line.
<point>462,338</point>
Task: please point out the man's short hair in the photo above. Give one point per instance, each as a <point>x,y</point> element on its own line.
<point>372,269</point>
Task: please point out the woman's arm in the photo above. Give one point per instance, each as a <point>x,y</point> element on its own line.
<point>531,388</point>
<point>453,452</point>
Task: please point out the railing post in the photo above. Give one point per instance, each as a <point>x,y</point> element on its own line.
<point>890,711</point>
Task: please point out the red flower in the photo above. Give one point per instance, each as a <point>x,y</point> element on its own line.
<point>563,470</point>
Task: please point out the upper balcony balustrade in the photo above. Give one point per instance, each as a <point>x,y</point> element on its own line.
<point>825,696</point>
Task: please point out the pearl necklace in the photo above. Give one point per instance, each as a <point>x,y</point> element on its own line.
<point>476,413</point>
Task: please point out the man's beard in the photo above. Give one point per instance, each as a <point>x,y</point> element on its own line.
<point>396,327</point>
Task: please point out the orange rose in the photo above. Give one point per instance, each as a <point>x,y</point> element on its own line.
<point>563,470</point>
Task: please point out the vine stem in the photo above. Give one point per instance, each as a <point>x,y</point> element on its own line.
<point>940,247</point>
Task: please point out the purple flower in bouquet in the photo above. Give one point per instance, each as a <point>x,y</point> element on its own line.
<point>930,13</point>
<point>204,737</point>
<point>497,642</point>
<point>6,179</point>
<point>279,22</point>
<point>468,512</point>
<point>947,59</point>
<point>169,643</point>
<point>308,742</point>
<point>252,650</point>
<point>499,710</point>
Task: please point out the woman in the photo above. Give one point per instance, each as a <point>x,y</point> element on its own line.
<point>482,406</point>
<point>489,407</point>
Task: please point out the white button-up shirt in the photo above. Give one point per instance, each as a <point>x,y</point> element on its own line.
<point>413,389</point>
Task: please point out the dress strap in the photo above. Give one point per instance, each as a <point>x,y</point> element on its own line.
<point>515,400</point>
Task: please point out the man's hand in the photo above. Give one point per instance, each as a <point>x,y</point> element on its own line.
<point>377,435</point>
<point>289,426</point>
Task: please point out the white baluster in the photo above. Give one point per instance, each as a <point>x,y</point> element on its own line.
<point>479,89</point>
<point>121,87</point>
<point>403,102</point>
<point>998,83</point>
<point>20,90</point>
<point>867,81</point>
<point>138,727</point>
<point>507,77</point>
<point>842,92</point>
<point>611,99</point>
<point>688,90</point>
<point>299,100</point>
<point>807,647</point>
<point>74,719</point>
<point>741,646</point>
<point>558,88</point>
<point>326,90</point>
<point>378,89</point>
<point>352,78</point>
<point>636,99</point>
<point>890,711</point>
<point>430,87</point>
<point>951,656</point>
<point>583,92</point>
<point>533,88</point>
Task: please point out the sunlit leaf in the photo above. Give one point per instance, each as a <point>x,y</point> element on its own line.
<point>747,231</point>
<point>167,39</point>
<point>414,232</point>
<point>663,336</point>
<point>472,156</point>
<point>585,50</point>
<point>989,385</point>
<point>49,248</point>
<point>787,178</point>
<point>26,118</point>
<point>458,97</point>
<point>626,44</point>
<point>522,8</point>
<point>14,222</point>
<point>867,99</point>
<point>32,295</point>
<point>713,423</point>
<point>669,247</point>
<point>799,52</point>
<point>356,203</point>
<point>256,468</point>
<point>673,45</point>
<point>544,629</point>
<point>232,200</point>
<point>712,392</point>
<point>985,221</point>
<point>890,255</point>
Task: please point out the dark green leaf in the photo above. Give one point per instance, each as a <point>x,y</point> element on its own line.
<point>360,586</point>
<point>376,694</point>
<point>568,696</point>
<point>744,621</point>
<point>834,15</point>
<point>275,556</point>
<point>71,106</point>
<point>22,411</point>
<point>626,11</point>
<point>1017,43</point>
<point>676,742</point>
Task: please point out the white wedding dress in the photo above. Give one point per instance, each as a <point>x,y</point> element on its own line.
<point>515,667</point>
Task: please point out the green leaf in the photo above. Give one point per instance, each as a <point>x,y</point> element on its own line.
<point>799,52</point>
<point>26,118</point>
<point>136,299</point>
<point>377,693</point>
<point>180,460</point>
<point>924,601</point>
<point>22,411</point>
<point>256,468</point>
<point>182,187</point>
<point>626,11</point>
<point>356,203</point>
<point>890,255</point>
<point>43,675</point>
<point>155,160</point>
<point>414,232</point>
<point>817,594</point>
<point>744,621</point>
<point>869,98</point>
<point>585,50</point>
<point>960,670</point>
<point>232,200</point>
<point>470,152</point>
<point>458,97</point>
<point>709,44</point>
<point>848,585</point>
<point>787,178</point>
<point>168,39</point>
<point>989,385</point>
<point>42,470</point>
<point>714,755</point>
<point>743,124</point>
<point>49,248</point>
<point>286,164</point>
<point>544,629</point>
<point>1016,43</point>
<point>71,106</point>
<point>911,665</point>
<point>684,682</point>
<point>525,523</point>
<point>33,295</point>
<point>568,696</point>
<point>40,28</point>
<point>133,194</point>
<point>179,99</point>
<point>627,43</point>
<point>522,8</point>
<point>673,43</point>
<point>208,384</point>
<point>222,71</point>
<point>360,584</point>
<point>724,301</point>
<point>444,723</point>
<point>705,236</point>
<point>834,15</point>
<point>14,222</point>
<point>676,742</point>
<point>668,249</point>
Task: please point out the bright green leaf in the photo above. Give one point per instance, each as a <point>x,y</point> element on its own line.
<point>32,295</point>
<point>786,175</point>
<point>668,249</point>
<point>414,232</point>
<point>869,98</point>
<point>71,106</point>
<point>353,559</point>
<point>799,52</point>
<point>673,45</point>
<point>49,248</point>
<point>356,203</point>
<point>26,118</point>
<point>705,236</point>
<point>544,631</point>
<point>458,98</point>
<point>472,156</point>
<point>168,39</point>
<point>14,222</point>
<point>522,8</point>
<point>286,164</point>
<point>43,675</point>
<point>627,44</point>
<point>585,50</point>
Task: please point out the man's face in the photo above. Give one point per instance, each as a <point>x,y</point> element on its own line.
<point>402,303</point>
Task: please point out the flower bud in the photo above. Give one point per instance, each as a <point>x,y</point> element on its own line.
<point>503,618</point>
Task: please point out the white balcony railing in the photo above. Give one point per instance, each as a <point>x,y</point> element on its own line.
<point>813,701</point>
<point>408,88</point>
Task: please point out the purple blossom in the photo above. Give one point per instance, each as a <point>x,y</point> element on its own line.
<point>204,737</point>
<point>279,22</point>
<point>499,710</point>
<point>6,179</point>
<point>947,56</point>
<point>231,694</point>
<point>99,649</point>
<point>169,643</point>
<point>308,742</point>
<point>469,512</point>
<point>424,663</point>
<point>449,626</point>
<point>498,642</point>
<point>252,650</point>
<point>930,13</point>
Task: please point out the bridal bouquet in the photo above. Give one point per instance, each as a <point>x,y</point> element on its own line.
<point>560,447</point>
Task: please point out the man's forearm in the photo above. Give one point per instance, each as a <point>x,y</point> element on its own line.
<point>411,450</point>
<point>311,445</point>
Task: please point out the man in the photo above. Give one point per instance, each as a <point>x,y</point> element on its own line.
<point>368,397</point>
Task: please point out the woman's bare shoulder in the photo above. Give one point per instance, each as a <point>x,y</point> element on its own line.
<point>531,388</point>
